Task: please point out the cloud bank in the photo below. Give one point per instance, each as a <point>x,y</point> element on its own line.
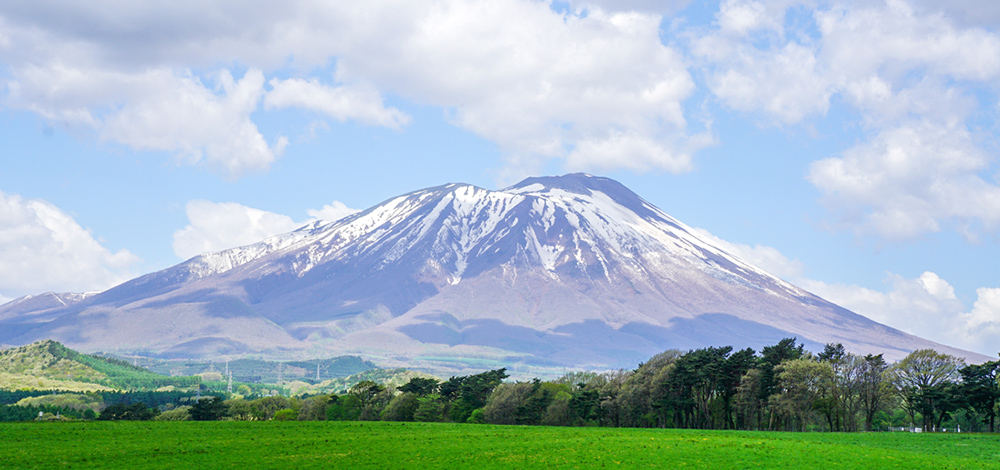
<point>217,226</point>
<point>592,85</point>
<point>44,249</point>
<point>592,88</point>
<point>925,306</point>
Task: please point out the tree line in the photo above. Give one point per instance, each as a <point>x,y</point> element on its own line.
<point>783,387</point>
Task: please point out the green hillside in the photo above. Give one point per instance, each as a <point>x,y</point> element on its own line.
<point>47,359</point>
<point>48,365</point>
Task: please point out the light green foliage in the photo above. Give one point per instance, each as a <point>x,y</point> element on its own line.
<point>924,379</point>
<point>925,368</point>
<point>66,400</point>
<point>240,410</point>
<point>46,359</point>
<point>801,383</point>
<point>632,395</point>
<point>263,409</point>
<point>476,417</point>
<point>286,415</point>
<point>29,382</point>
<point>379,445</point>
<point>181,413</point>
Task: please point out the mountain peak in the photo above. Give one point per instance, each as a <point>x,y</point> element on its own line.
<point>585,185</point>
<point>577,183</point>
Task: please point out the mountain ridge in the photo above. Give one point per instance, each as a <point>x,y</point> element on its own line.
<point>574,270</point>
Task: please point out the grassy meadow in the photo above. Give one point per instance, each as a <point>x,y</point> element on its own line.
<point>324,444</point>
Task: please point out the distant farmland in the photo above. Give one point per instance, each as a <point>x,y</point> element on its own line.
<point>319,444</point>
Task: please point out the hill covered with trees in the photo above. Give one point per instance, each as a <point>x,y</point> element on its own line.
<point>62,368</point>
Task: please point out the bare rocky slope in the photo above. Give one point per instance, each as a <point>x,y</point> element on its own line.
<point>573,271</point>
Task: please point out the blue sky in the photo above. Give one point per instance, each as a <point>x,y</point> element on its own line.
<point>847,146</point>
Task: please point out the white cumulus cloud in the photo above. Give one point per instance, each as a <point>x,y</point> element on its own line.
<point>156,109</point>
<point>909,180</point>
<point>203,126</point>
<point>216,226</point>
<point>359,102</point>
<point>541,84</point>
<point>44,249</point>
<point>911,71</point>
<point>336,210</point>
<point>925,306</point>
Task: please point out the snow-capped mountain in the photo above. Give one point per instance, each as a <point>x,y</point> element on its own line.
<point>569,271</point>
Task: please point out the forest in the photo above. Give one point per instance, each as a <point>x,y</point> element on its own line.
<point>781,388</point>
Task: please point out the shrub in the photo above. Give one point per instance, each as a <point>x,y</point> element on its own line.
<point>181,413</point>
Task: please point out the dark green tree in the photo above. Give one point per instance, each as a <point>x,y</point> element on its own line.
<point>834,398</point>
<point>980,389</point>
<point>874,390</point>
<point>133,412</point>
<point>470,393</point>
<point>209,409</point>
<point>343,408</point>
<point>430,408</point>
<point>770,358</point>
<point>421,386</point>
<point>402,407</point>
<point>372,398</point>
<point>732,372</point>
<point>701,386</point>
<point>531,411</point>
<point>586,404</point>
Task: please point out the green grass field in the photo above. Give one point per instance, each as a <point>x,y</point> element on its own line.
<point>338,445</point>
